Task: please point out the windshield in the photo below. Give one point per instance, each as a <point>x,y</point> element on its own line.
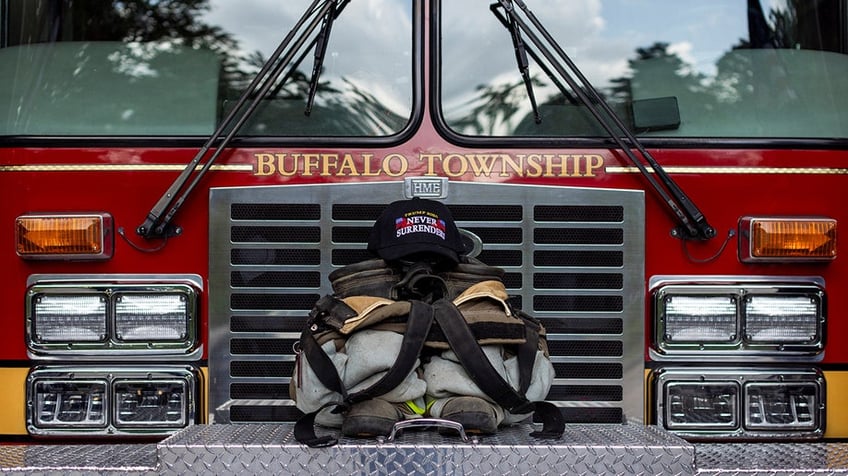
<point>670,68</point>
<point>175,68</point>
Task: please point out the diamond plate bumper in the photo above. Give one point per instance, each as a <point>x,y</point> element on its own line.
<point>584,449</point>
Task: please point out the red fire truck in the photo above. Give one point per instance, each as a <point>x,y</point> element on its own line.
<point>661,181</point>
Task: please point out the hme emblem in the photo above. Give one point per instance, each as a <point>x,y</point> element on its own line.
<point>426,187</point>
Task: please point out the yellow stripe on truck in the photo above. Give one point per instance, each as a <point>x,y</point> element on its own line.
<point>13,401</point>
<point>837,411</point>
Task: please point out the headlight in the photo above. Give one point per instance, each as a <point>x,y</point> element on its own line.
<point>700,318</point>
<point>702,405</point>
<point>154,400</point>
<point>151,317</point>
<point>78,318</point>
<point>69,318</point>
<point>150,403</point>
<point>738,403</point>
<point>782,319</point>
<point>62,404</point>
<point>749,318</point>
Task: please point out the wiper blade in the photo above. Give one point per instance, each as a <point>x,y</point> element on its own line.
<point>521,59</point>
<point>158,224</point>
<point>541,64</point>
<point>321,50</point>
<point>693,223</point>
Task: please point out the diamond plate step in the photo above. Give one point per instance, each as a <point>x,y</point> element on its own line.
<point>584,449</point>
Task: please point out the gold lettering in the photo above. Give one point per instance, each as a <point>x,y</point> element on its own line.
<point>593,162</point>
<point>516,166</point>
<point>430,159</point>
<point>481,164</point>
<point>329,160</point>
<point>533,167</point>
<point>264,164</point>
<point>399,160</point>
<point>281,165</point>
<point>454,158</point>
<point>348,167</point>
<point>451,165</point>
<point>366,160</point>
<point>311,162</point>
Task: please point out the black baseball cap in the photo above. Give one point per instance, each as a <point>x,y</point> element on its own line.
<point>415,226</point>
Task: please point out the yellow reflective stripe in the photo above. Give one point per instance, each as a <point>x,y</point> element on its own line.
<point>837,413</point>
<point>415,408</point>
<point>13,401</point>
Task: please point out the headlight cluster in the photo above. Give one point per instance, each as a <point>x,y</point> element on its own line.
<point>763,333</point>
<point>153,400</point>
<point>740,318</point>
<point>107,319</point>
<point>741,403</point>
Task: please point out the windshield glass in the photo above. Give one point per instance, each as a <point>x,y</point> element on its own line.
<point>669,68</point>
<point>175,68</point>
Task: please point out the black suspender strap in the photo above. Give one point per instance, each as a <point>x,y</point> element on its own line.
<point>475,362</point>
<point>417,327</point>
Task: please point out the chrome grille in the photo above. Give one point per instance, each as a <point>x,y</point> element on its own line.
<point>574,258</point>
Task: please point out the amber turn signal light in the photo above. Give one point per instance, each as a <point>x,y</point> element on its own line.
<point>778,239</point>
<point>67,237</point>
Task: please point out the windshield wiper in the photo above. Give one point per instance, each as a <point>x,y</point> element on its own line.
<point>693,223</point>
<point>520,58</point>
<point>321,51</point>
<point>158,224</point>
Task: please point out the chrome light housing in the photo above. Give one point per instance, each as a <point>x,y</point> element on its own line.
<point>146,314</point>
<point>67,401</point>
<point>745,317</point>
<point>736,403</point>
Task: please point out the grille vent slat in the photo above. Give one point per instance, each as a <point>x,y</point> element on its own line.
<point>567,265</point>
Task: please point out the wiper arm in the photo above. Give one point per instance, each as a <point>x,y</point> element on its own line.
<point>693,224</point>
<point>157,224</point>
<point>541,64</point>
<point>521,59</point>
<point>321,51</point>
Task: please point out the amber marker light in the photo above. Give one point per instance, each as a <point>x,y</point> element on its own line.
<point>778,239</point>
<point>65,237</point>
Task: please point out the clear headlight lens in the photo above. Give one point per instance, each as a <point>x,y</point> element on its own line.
<point>69,318</point>
<point>66,403</point>
<point>110,401</point>
<point>700,319</point>
<point>702,405</point>
<point>105,319</point>
<point>151,317</point>
<point>782,319</point>
<point>738,403</point>
<point>150,403</point>
<point>776,406</point>
<point>746,317</point>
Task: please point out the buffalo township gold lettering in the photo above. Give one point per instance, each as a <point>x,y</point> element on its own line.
<point>450,165</point>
